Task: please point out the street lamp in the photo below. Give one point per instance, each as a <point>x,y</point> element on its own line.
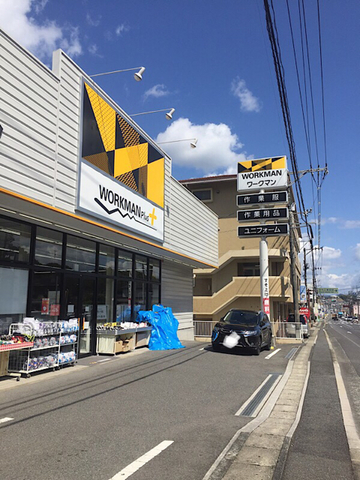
<point>137,75</point>
<point>193,142</point>
<point>168,115</point>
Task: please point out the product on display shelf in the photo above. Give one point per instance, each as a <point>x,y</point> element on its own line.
<point>50,348</point>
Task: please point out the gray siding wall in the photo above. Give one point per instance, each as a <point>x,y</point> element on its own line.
<point>28,114</point>
<point>192,228</point>
<point>176,293</point>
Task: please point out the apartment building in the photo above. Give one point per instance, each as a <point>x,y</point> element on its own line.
<point>236,281</point>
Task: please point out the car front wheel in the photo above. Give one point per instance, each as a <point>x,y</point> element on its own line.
<point>257,349</point>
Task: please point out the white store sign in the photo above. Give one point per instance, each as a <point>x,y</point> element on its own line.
<point>262,179</point>
<point>106,198</point>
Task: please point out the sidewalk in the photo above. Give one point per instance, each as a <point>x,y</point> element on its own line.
<point>298,440</point>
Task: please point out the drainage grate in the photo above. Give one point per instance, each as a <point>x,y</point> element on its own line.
<point>291,353</point>
<point>251,406</point>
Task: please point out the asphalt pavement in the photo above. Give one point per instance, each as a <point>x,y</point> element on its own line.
<point>319,448</point>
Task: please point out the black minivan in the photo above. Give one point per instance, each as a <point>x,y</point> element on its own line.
<point>246,328</point>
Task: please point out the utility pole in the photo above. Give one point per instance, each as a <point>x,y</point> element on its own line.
<point>305,279</point>
<point>293,266</point>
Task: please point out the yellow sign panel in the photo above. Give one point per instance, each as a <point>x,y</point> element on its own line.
<point>113,145</point>
<point>262,164</point>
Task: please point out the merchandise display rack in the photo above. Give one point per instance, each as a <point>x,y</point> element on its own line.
<point>54,346</point>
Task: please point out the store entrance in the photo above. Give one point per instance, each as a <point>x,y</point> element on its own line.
<point>79,303</point>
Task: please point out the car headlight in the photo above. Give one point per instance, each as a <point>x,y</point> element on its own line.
<point>249,332</point>
<point>215,333</point>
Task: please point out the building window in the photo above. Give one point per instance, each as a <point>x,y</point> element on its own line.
<point>45,298</point>
<point>48,247</point>
<point>123,301</point>
<point>80,254</point>
<point>106,260</point>
<point>154,270</point>
<point>205,195</point>
<point>141,267</point>
<point>248,270</point>
<point>125,264</point>
<point>14,241</point>
<point>105,301</point>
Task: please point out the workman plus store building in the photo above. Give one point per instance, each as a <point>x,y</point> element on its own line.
<point>92,224</point>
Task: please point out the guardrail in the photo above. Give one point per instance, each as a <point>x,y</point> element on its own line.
<point>290,330</point>
<point>203,328</point>
<point>296,330</point>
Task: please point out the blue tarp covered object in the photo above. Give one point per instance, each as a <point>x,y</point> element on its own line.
<point>164,328</point>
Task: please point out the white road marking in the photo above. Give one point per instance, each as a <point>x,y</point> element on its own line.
<point>103,360</point>
<point>5,419</point>
<point>273,353</point>
<point>201,349</point>
<point>141,461</point>
<point>349,332</point>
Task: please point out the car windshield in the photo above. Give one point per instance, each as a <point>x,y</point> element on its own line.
<point>240,317</point>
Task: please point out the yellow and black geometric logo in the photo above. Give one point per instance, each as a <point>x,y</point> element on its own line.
<point>262,164</point>
<point>114,146</point>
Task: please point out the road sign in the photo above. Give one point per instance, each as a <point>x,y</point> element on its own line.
<point>262,174</point>
<point>262,214</point>
<point>262,198</point>
<point>328,290</point>
<point>272,230</point>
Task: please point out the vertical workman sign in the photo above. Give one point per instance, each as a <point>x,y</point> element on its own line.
<point>260,176</point>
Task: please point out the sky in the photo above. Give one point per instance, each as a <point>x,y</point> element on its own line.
<point>211,61</point>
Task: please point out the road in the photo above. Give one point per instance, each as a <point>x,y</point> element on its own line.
<point>320,446</point>
<point>96,419</point>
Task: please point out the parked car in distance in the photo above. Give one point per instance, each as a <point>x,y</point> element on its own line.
<point>248,329</point>
<point>291,326</point>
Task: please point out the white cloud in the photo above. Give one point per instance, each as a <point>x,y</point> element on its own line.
<point>39,5</point>
<point>156,91</point>
<point>93,49</point>
<point>17,19</point>
<point>351,224</point>
<point>330,253</point>
<point>216,149</point>
<point>248,102</point>
<point>357,251</point>
<point>93,22</point>
<point>120,29</point>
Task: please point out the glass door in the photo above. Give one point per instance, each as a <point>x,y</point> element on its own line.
<point>79,303</point>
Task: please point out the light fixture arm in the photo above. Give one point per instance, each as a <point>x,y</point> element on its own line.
<point>168,115</point>
<point>141,71</point>
<point>192,140</point>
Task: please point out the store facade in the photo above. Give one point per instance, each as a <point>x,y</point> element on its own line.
<point>92,224</point>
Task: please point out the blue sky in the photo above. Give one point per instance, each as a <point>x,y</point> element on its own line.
<point>212,62</point>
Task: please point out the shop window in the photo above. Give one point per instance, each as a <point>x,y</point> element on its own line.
<point>154,294</point>
<point>123,301</point>
<point>140,297</point>
<point>205,194</point>
<point>48,247</point>
<point>141,267</point>
<point>80,254</point>
<point>106,260</point>
<point>154,270</point>
<point>14,241</point>
<point>45,297</point>
<point>124,264</point>
<point>248,270</point>
<point>13,294</point>
<point>105,301</point>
